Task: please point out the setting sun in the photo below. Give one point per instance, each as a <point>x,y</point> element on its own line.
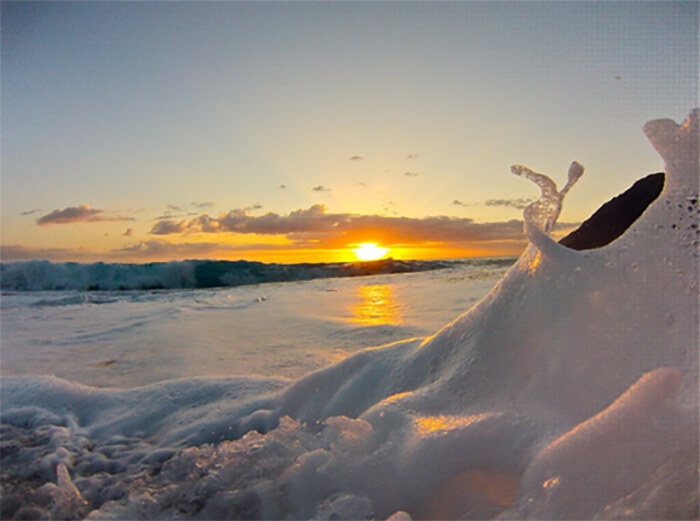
<point>369,251</point>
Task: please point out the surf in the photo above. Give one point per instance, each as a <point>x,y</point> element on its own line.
<point>580,366</point>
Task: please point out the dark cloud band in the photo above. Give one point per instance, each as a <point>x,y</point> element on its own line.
<point>78,214</point>
<point>315,226</point>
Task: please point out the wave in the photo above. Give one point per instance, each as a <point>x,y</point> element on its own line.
<point>568,392</point>
<point>42,275</point>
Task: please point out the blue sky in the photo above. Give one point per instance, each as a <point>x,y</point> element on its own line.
<point>149,110</point>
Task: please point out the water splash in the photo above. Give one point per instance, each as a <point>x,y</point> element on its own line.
<point>544,212</point>
<point>583,371</point>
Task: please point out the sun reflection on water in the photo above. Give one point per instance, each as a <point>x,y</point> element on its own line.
<point>376,305</point>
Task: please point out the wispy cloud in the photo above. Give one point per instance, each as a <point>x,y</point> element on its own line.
<point>161,248</point>
<point>457,202</point>
<point>412,156</point>
<point>78,214</point>
<point>168,216</point>
<point>128,233</point>
<point>320,188</point>
<point>175,208</point>
<point>17,252</point>
<point>315,226</point>
<point>519,204</point>
<point>154,249</point>
<point>252,208</point>
<point>389,207</point>
<point>30,212</point>
<point>203,204</point>
<point>355,158</point>
<point>411,174</point>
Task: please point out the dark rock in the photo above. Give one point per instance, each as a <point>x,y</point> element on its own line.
<point>8,506</point>
<point>31,513</point>
<point>614,217</point>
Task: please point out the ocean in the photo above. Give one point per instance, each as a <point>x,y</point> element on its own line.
<point>561,385</point>
<point>129,337</point>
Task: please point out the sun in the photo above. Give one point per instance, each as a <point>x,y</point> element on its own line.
<point>369,251</point>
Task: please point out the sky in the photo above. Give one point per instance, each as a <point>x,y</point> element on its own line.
<point>295,131</point>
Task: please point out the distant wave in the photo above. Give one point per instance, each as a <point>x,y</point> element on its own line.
<point>41,275</point>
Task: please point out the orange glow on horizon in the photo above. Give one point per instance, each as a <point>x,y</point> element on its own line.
<point>276,252</point>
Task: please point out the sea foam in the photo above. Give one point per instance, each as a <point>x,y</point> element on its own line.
<point>568,392</point>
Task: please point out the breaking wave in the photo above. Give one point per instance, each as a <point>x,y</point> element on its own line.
<point>42,275</point>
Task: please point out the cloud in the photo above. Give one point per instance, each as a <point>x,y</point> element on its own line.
<point>320,188</point>
<point>17,252</point>
<point>256,206</point>
<point>457,202</point>
<point>72,214</point>
<point>160,248</point>
<point>78,214</point>
<point>30,212</point>
<point>355,158</point>
<point>412,156</point>
<point>519,204</point>
<point>169,216</point>
<point>411,174</point>
<point>174,208</point>
<point>389,206</point>
<point>406,230</point>
<point>151,249</point>
<point>314,226</point>
<point>166,227</point>
<point>204,204</point>
<point>128,233</point>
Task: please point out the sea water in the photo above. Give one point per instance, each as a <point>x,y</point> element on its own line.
<point>138,337</point>
<point>569,391</point>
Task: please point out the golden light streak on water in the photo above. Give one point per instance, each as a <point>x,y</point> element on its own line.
<point>376,305</point>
